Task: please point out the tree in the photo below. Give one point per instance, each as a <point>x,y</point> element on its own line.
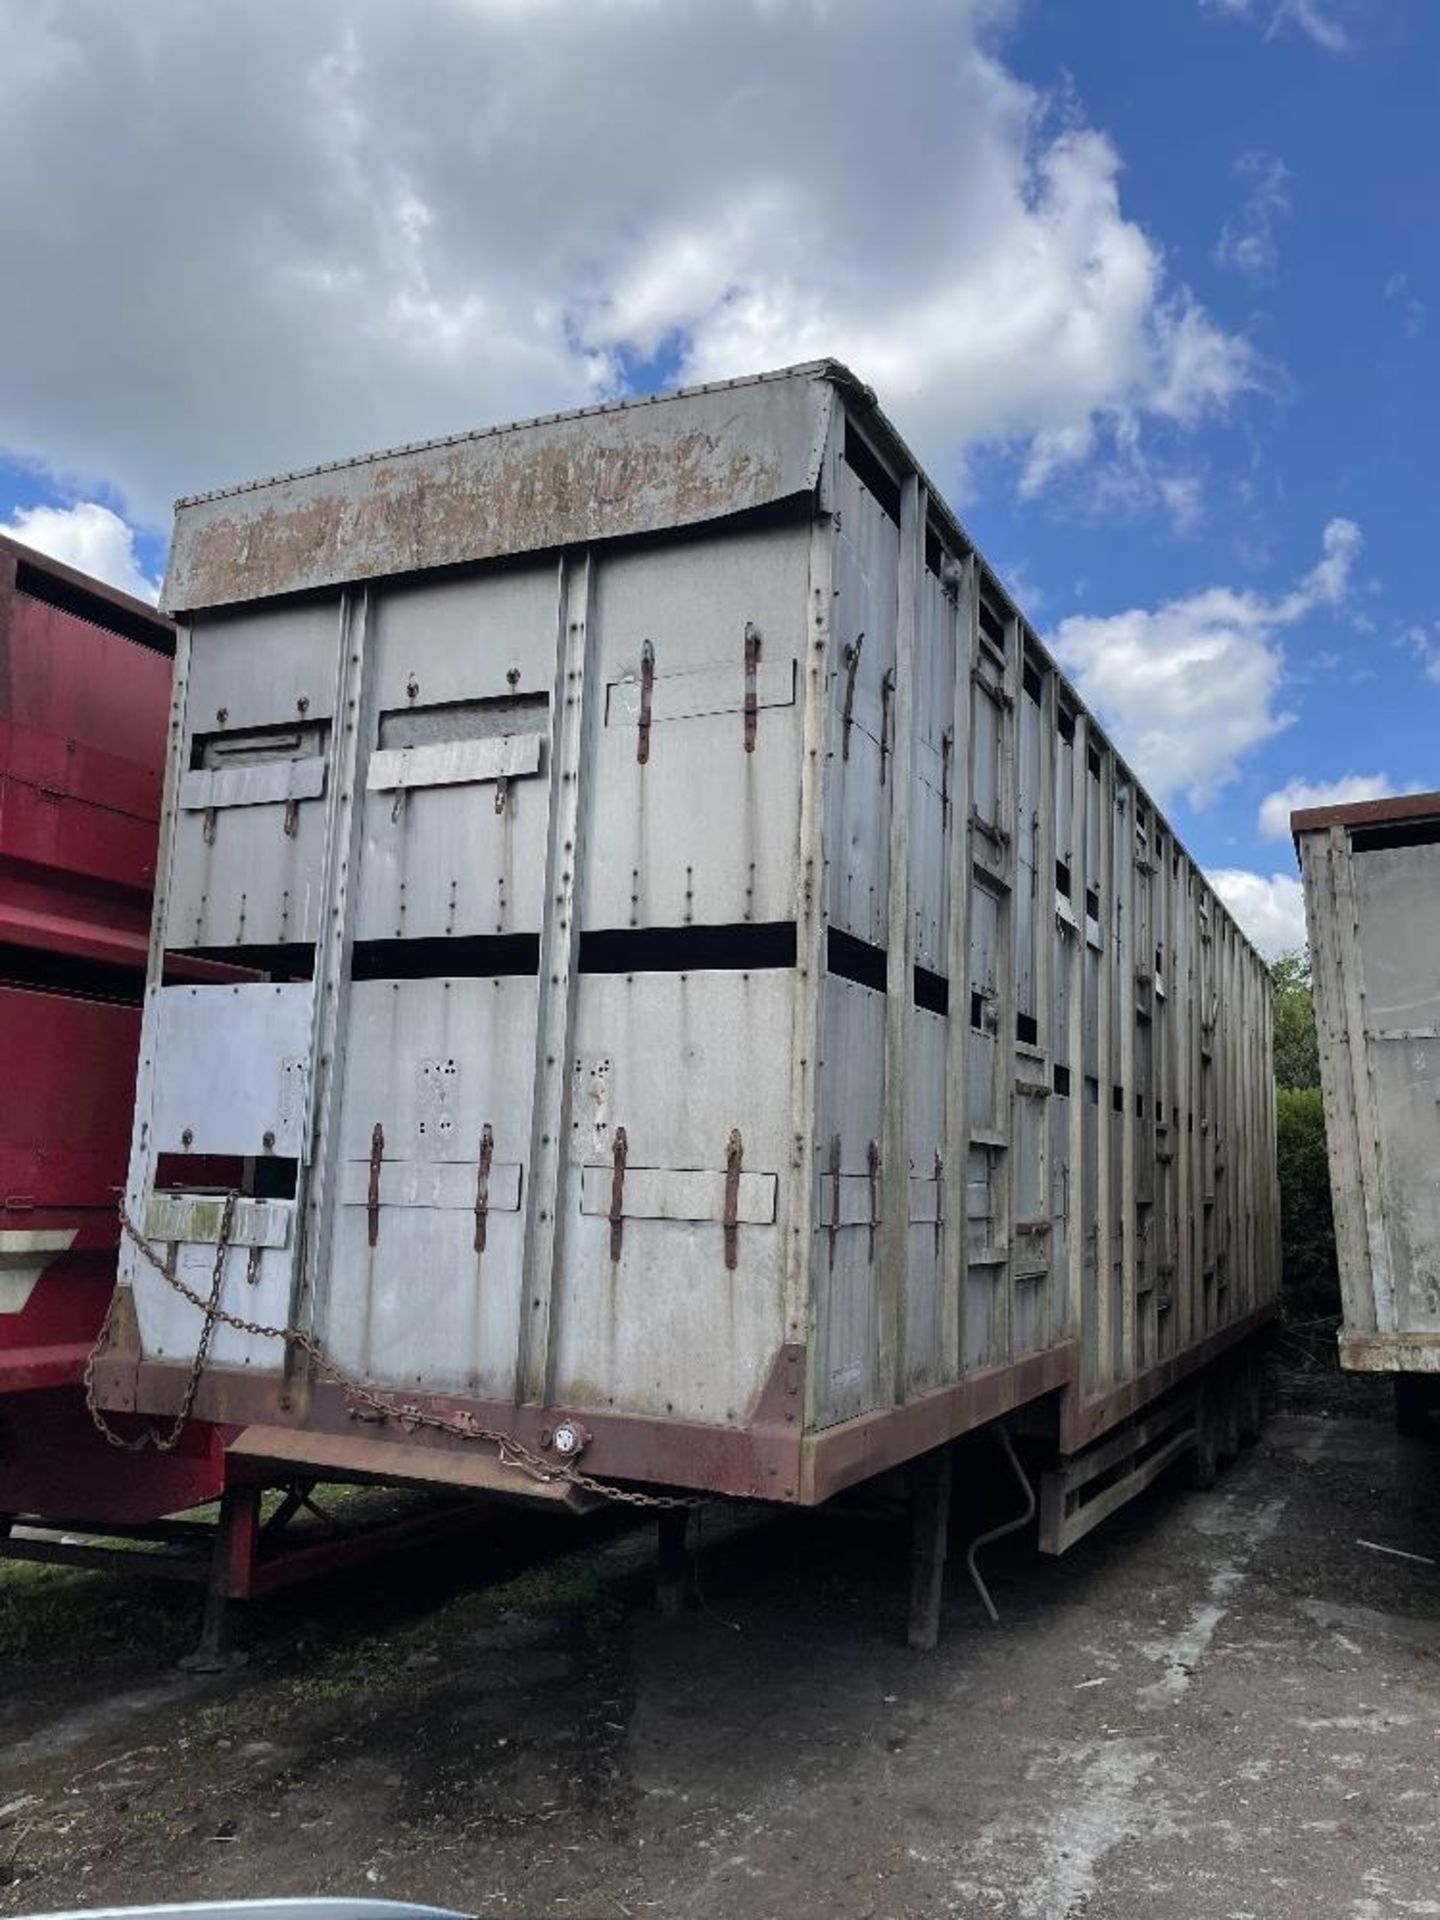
<point>1307,1225</point>
<point>1297,1052</point>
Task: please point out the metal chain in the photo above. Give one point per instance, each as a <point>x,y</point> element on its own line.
<point>512,1452</point>
<point>151,1436</point>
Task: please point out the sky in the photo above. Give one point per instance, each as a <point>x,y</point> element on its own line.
<point>1151,286</point>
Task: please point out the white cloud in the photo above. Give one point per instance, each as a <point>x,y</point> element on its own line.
<point>1316,21</point>
<point>1270,910</point>
<point>1412,309</point>
<point>1190,687</point>
<point>325,228</point>
<point>1248,241</point>
<point>87,536</point>
<point>1276,808</point>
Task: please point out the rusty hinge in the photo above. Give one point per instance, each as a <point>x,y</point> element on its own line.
<point>734,1155</point>
<point>647,694</point>
<point>947,750</point>
<point>617,1194</point>
<point>851,657</point>
<point>834,1194</point>
<point>887,689</point>
<point>292,818</point>
<point>372,1199</point>
<point>482,1184</point>
<point>752,699</point>
<point>872,1167</point>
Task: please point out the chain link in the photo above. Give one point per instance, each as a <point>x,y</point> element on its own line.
<point>512,1452</point>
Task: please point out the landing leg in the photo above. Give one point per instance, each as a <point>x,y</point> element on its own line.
<point>673,1577</point>
<point>236,1536</point>
<point>930,1495</point>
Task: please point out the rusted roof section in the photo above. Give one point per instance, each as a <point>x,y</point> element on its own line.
<point>1392,810</point>
<point>636,467</point>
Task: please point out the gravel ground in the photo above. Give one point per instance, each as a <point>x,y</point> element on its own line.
<point>1222,1704</point>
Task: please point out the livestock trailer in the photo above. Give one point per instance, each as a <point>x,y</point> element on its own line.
<point>732,1022</point>
<point>1372,906</point>
<point>84,700</point>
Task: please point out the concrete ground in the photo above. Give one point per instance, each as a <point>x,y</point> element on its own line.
<point>1219,1705</point>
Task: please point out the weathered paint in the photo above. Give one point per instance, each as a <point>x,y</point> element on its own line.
<point>780,835</point>
<point>1372,903</point>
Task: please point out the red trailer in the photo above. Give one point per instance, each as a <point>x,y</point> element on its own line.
<point>84,708</point>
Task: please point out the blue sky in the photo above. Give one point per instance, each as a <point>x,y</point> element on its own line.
<point>1151,285</point>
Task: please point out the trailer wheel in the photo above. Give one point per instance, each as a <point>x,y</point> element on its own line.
<point>1412,1405</point>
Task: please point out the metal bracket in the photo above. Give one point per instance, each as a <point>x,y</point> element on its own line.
<point>851,657</point>
<point>872,1167</point>
<point>482,1185</point>
<point>372,1202</point>
<point>752,702</point>
<point>292,818</point>
<point>208,830</point>
<point>947,750</point>
<point>887,689</point>
<point>647,694</point>
<point>734,1156</point>
<point>939,1204</point>
<point>502,789</point>
<point>617,1194</point>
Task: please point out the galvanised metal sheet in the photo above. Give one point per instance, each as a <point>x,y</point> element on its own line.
<point>649,1318</point>
<point>444,1068</point>
<point>452,856</point>
<point>565,481</point>
<point>845,1270</point>
<point>1372,892</point>
<point>696,820</point>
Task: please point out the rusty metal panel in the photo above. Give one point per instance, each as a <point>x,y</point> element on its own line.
<point>570,480</point>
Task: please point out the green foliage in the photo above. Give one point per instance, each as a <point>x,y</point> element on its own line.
<point>1307,1226</point>
<point>1297,1053</point>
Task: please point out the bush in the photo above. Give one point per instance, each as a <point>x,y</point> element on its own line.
<point>1307,1223</point>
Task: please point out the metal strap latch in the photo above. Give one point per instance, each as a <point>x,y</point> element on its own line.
<point>647,695</point>
<point>292,818</point>
<point>872,1167</point>
<point>752,698</point>
<point>939,1202</point>
<point>734,1155</point>
<point>208,830</point>
<point>617,1194</point>
<point>482,1185</point>
<point>372,1200</point>
<point>887,691</point>
<point>851,657</point>
<point>502,792</point>
<point>834,1195</point>
<point>947,751</point>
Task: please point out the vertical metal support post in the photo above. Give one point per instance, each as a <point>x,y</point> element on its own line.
<point>674,1572</point>
<point>1077,1225</point>
<point>1127,888</point>
<point>353,736</point>
<point>559,952</point>
<point>930,1479</point>
<point>1103,1359</point>
<point>900,968</point>
<point>964,624</point>
<point>810,927</point>
<point>237,1535</point>
<point>1005,1112</point>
